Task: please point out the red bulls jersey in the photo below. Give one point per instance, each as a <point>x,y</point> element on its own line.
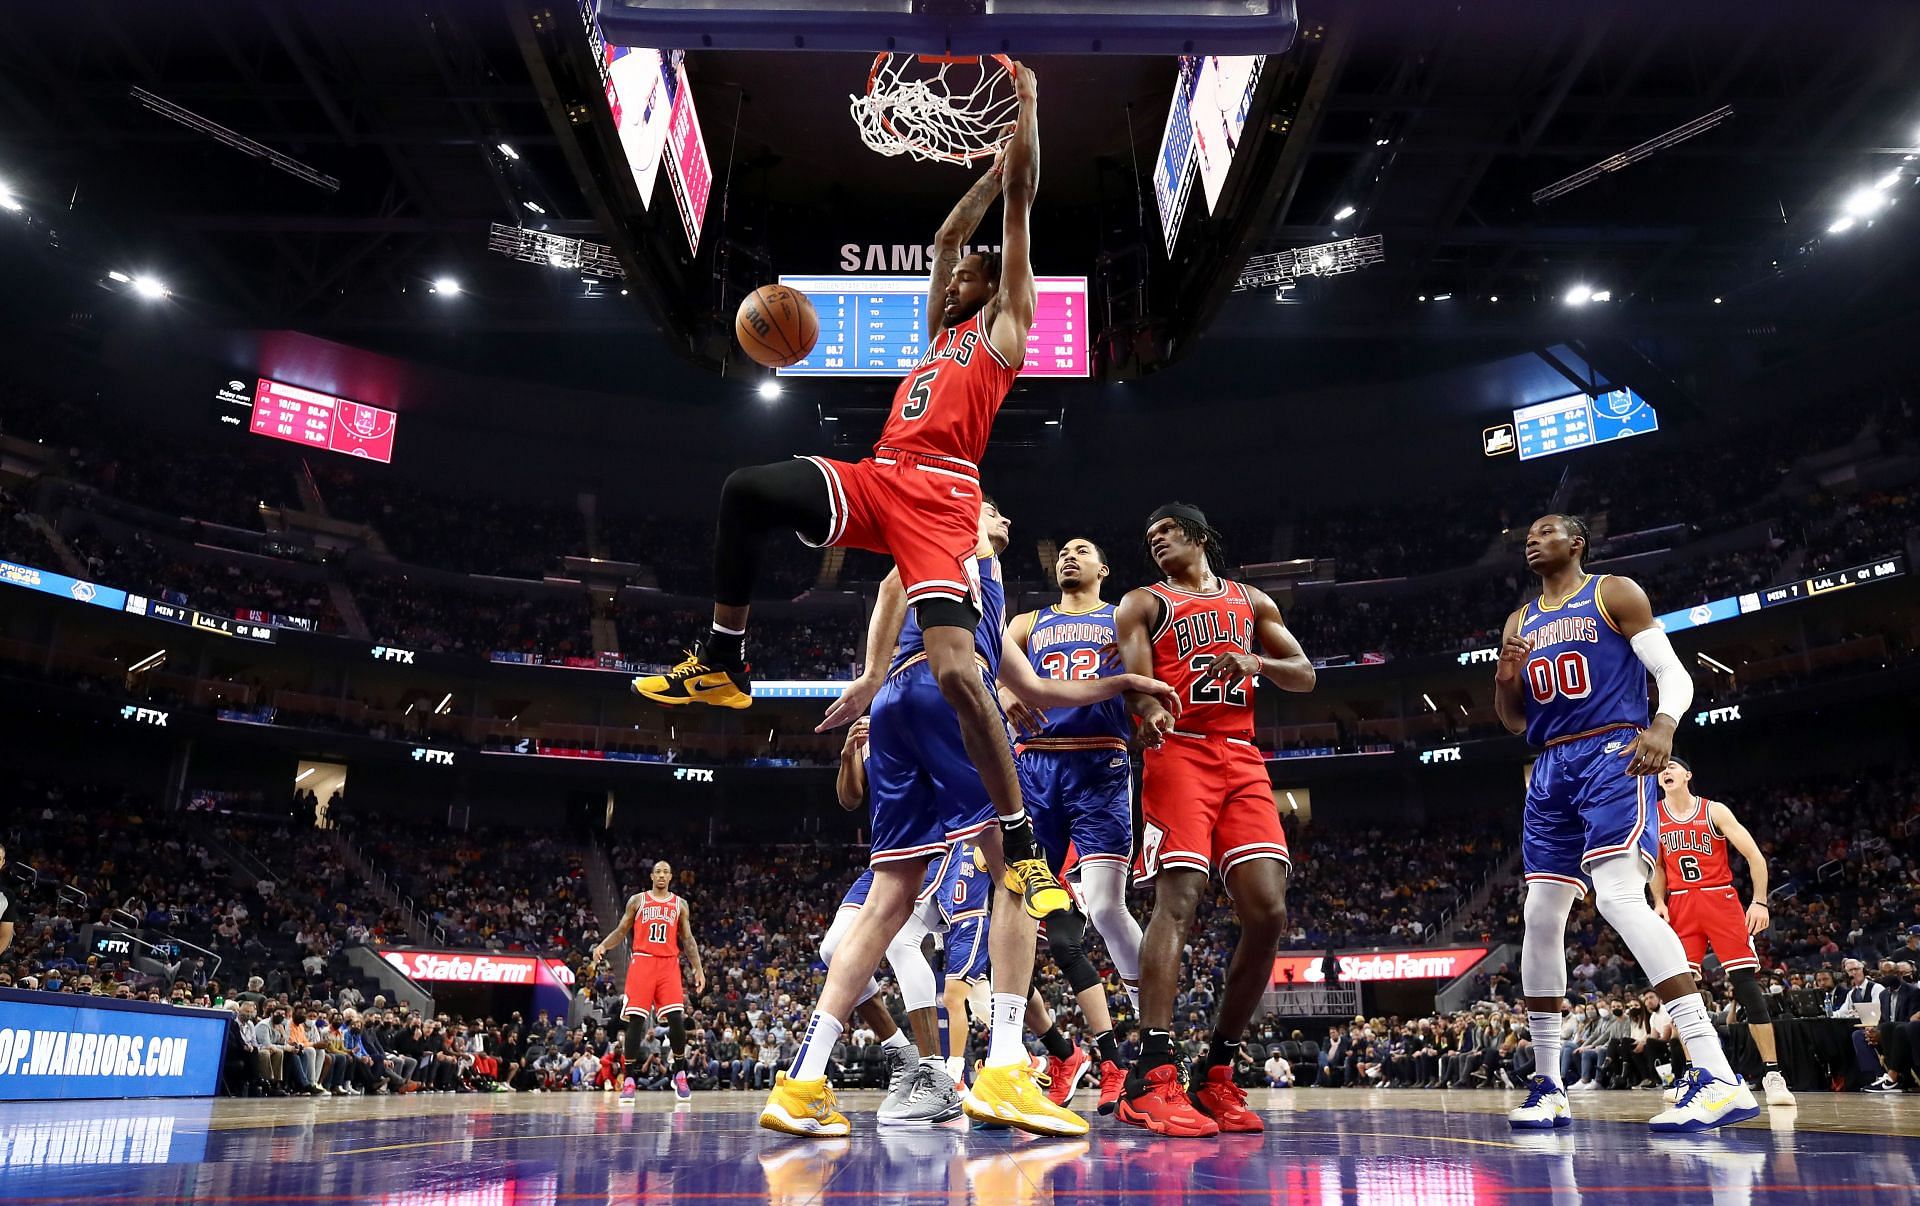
<point>656,930</point>
<point>1694,852</point>
<point>945,407</point>
<point>1195,630</point>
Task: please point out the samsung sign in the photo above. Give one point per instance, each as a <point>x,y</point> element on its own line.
<point>51,1049</point>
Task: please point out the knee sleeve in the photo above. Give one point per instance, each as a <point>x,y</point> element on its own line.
<point>910,967</point>
<point>1067,943</point>
<point>842,924</point>
<point>1103,890</point>
<point>1620,891</point>
<point>635,1035</point>
<point>1752,999</point>
<point>1543,953</point>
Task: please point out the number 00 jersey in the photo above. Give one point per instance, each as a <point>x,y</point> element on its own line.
<point>1067,645</point>
<point>1582,676</point>
<point>1693,851</point>
<point>656,930</point>
<point>1194,630</point>
<point>946,406</point>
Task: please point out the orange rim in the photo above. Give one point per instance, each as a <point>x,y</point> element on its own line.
<point>873,77</point>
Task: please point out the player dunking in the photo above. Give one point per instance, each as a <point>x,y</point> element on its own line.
<point>1573,677</point>
<point>924,795</point>
<point>1077,780</point>
<point>661,924</point>
<point>917,498</point>
<point>1693,891</point>
<point>1206,805</point>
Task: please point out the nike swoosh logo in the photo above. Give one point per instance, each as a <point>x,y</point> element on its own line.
<point>959,493</point>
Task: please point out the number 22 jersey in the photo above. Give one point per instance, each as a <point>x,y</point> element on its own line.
<point>1582,676</point>
<point>1194,630</point>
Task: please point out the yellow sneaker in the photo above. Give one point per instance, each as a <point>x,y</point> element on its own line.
<point>1038,888</point>
<point>695,681</point>
<point>1012,1096</point>
<point>803,1107</point>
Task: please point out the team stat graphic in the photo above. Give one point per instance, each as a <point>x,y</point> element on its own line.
<point>876,326</point>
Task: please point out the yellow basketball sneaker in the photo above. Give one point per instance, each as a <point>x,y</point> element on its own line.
<point>1011,1096</point>
<point>1039,890</point>
<point>696,681</point>
<point>805,1107</point>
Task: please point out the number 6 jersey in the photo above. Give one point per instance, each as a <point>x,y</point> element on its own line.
<point>1196,629</point>
<point>1582,676</point>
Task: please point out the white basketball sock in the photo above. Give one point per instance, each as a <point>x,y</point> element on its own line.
<point>1006,1044</point>
<point>1690,1018</point>
<point>1545,1028</point>
<point>816,1049</point>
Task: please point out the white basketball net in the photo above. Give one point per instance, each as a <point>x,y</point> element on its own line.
<point>950,111</point>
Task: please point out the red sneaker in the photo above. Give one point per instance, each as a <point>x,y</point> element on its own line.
<point>1113,1078</point>
<point>1064,1076</point>
<point>1163,1107</point>
<point>1226,1103</point>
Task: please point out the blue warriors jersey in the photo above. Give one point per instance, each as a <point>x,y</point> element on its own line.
<point>986,635</point>
<point>1076,645</point>
<point>1582,676</point>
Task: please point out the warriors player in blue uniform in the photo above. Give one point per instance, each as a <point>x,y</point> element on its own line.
<point>1077,780</point>
<point>1572,677</point>
<point>925,794</point>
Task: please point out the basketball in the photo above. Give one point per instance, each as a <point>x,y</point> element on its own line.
<point>776,326</point>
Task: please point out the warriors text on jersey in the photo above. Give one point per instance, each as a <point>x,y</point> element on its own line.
<point>1195,630</point>
<point>656,929</point>
<point>1582,676</point>
<point>1065,645</point>
<point>1693,851</point>
<point>946,406</point>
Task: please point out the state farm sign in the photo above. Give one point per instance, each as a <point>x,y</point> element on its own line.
<point>442,967</point>
<point>1380,965</point>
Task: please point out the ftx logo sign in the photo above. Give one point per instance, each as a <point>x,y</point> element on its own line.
<point>1450,753</point>
<point>387,653</point>
<point>1717,716</point>
<point>693,774</point>
<point>144,716</point>
<point>432,757</point>
<point>1475,657</point>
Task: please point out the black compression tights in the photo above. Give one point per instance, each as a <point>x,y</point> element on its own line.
<point>757,500</point>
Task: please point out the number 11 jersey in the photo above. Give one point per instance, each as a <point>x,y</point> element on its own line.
<point>656,931</point>
<point>1582,677</point>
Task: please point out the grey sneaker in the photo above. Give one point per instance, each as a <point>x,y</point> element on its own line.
<point>900,1063</point>
<point>925,1098</point>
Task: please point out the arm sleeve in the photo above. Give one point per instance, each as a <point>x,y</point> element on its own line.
<point>1672,683</point>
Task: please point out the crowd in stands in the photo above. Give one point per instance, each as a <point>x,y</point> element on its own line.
<point>434,617</point>
<point>20,540</point>
<point>483,533</point>
<point>212,583</point>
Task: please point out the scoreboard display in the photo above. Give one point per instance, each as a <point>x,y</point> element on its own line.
<point>1564,424</point>
<point>304,416</point>
<point>876,326</point>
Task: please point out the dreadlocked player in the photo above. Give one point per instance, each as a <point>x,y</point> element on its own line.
<point>1207,807</point>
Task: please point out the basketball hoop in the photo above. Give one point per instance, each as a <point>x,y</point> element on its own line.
<point>913,106</point>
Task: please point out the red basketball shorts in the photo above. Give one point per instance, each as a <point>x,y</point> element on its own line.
<point>653,986</point>
<point>921,510</point>
<point>1712,917</point>
<point>1206,805</point>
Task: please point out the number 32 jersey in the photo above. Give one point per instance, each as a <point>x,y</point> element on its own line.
<point>1582,676</point>
<point>1194,630</point>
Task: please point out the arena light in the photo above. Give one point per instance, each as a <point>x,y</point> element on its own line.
<point>157,658</point>
<point>303,774</point>
<point>117,275</point>
<point>8,201</point>
<point>1493,297</point>
<point>768,390</point>
<point>507,150</point>
<point>543,247</point>
<point>150,288</point>
<point>534,206</point>
<point>1841,226</point>
<point>1889,180</point>
<point>446,285</point>
<point>1281,268</point>
<point>1715,664</point>
<point>1344,212</point>
<point>1431,706</point>
<point>1579,295</point>
<point>1864,203</point>
<point>1603,295</point>
<point>445,705</point>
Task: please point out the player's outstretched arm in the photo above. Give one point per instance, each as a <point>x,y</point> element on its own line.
<point>601,947</point>
<point>883,633</point>
<point>1012,314</point>
<point>691,946</point>
<point>1759,917</point>
<point>1627,608</point>
<point>1134,620</point>
<point>1509,675</point>
<point>851,784</point>
<point>954,233</point>
<point>1018,676</point>
<point>1281,662</point>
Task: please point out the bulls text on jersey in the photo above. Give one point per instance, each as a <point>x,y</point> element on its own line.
<point>1199,629</point>
<point>1699,841</point>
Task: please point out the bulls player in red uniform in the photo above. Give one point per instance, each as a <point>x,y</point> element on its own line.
<point>1207,808</point>
<point>661,924</point>
<point>916,499</point>
<point>1694,892</point>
